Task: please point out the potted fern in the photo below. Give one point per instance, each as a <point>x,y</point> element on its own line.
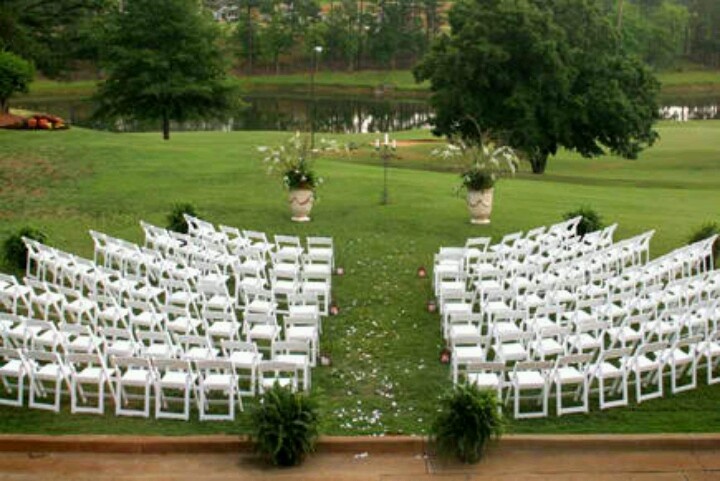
<point>292,161</point>
<point>284,426</point>
<point>483,165</point>
<point>468,419</point>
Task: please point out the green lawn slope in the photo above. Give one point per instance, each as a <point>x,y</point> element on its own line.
<point>385,375</point>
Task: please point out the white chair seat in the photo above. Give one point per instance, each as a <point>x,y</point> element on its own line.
<point>484,380</point>
<point>549,346</point>
<point>183,324</point>
<point>14,367</point>
<point>297,359</point>
<point>200,353</point>
<point>219,302</point>
<point>91,374</point>
<point>609,371</point>
<point>135,377</point>
<point>159,350</point>
<point>569,374</point>
<point>530,379</point>
<point>120,348</point>
<point>222,328</point>
<point>468,353</point>
<point>50,372</point>
<point>513,351</point>
<point>175,380</point>
<point>218,382</point>
<point>263,331</point>
<point>245,359</point>
<point>643,363</point>
<point>301,332</point>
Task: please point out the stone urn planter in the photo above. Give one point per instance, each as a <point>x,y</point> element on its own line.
<point>479,204</point>
<point>301,203</point>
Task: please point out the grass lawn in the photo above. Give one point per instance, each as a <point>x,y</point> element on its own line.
<point>385,375</point>
<point>700,82</point>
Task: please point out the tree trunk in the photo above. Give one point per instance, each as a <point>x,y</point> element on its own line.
<point>166,126</point>
<point>4,105</point>
<point>538,162</point>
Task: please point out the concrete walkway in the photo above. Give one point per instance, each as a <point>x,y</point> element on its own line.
<point>532,459</point>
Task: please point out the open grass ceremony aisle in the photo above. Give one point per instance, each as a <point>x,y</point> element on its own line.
<point>385,375</point>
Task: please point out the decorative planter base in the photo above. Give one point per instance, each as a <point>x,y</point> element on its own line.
<point>479,204</point>
<point>301,203</point>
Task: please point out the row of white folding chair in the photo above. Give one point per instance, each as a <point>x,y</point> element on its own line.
<point>50,374</point>
<point>515,337</point>
<point>612,369</point>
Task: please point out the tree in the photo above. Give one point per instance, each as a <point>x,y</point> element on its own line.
<point>50,34</point>
<point>163,63</point>
<point>15,76</point>
<point>540,75</point>
<point>276,38</point>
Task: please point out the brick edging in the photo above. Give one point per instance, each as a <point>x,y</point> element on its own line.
<point>339,444</point>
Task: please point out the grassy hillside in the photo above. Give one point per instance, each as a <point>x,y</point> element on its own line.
<point>384,345</point>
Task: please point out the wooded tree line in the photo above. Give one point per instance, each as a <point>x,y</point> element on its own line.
<point>280,35</point>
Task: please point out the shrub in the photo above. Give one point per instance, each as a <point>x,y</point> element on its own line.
<point>590,222</point>
<point>705,231</point>
<point>468,419</point>
<point>14,250</point>
<point>175,219</point>
<point>284,426</point>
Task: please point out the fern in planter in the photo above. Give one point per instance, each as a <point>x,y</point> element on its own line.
<point>591,221</point>
<point>469,418</point>
<point>175,220</point>
<point>284,426</point>
<point>14,249</point>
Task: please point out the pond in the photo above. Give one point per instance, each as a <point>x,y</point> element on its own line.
<point>349,114</point>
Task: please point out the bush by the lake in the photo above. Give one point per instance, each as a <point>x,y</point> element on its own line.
<point>14,250</point>
<point>590,222</point>
<point>468,419</point>
<point>175,219</point>
<point>284,426</point>
<point>706,231</point>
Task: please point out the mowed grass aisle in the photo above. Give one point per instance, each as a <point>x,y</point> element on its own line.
<point>385,375</point>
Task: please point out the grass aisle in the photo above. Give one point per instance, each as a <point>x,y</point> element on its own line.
<point>385,375</point>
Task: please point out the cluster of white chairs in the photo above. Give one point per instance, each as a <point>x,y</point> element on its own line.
<point>550,311</point>
<point>175,324</point>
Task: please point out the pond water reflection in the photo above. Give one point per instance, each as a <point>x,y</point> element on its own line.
<point>349,114</point>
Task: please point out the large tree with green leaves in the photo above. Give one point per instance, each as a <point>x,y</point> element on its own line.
<point>540,75</point>
<point>163,63</point>
<point>16,74</point>
<point>51,33</point>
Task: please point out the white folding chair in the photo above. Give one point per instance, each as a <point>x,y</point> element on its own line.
<point>295,352</point>
<point>573,371</point>
<point>487,375</point>
<point>48,373</point>
<point>530,376</point>
<point>196,348</point>
<point>284,374</point>
<point>132,373</point>
<point>245,358</point>
<point>14,295</point>
<point>169,377</point>
<point>217,376</point>
<point>13,367</point>
<point>647,365</point>
<point>682,359</point>
<point>157,345</point>
<point>612,366</point>
<point>88,371</point>
<point>321,249</point>
<point>710,350</point>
